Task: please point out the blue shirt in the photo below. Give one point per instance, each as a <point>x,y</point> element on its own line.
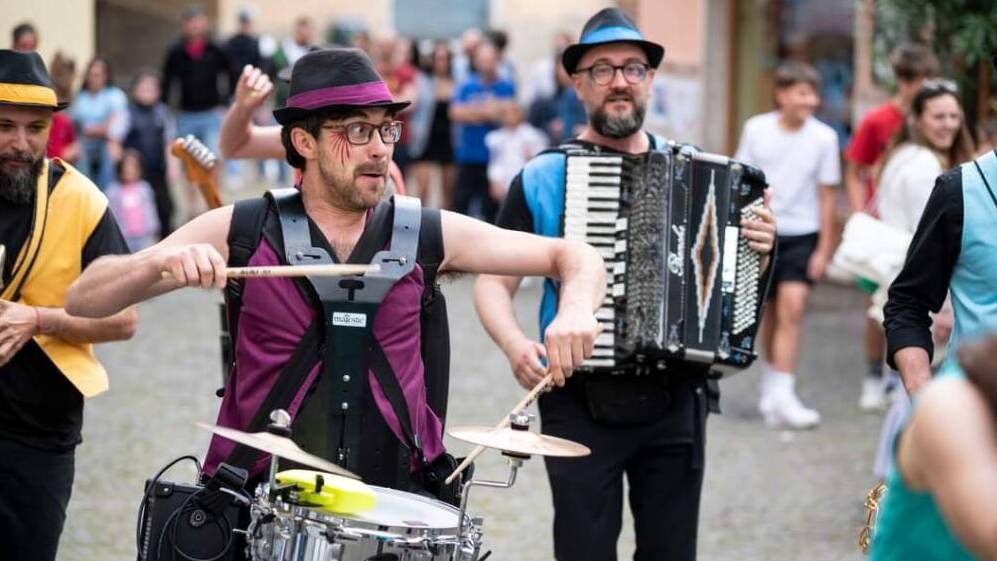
<point>471,147</point>
<point>535,203</point>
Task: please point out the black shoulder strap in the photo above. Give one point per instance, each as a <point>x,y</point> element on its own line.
<point>55,173</point>
<point>291,378</point>
<point>431,251</point>
<point>983,176</point>
<point>244,233</point>
<point>393,391</point>
<point>245,229</point>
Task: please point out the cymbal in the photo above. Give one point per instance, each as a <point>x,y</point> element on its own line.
<point>519,441</point>
<point>278,446</point>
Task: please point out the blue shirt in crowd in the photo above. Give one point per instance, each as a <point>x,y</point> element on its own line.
<point>471,147</point>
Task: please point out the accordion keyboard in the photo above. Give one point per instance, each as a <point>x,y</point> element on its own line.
<point>591,210</point>
<point>746,287</point>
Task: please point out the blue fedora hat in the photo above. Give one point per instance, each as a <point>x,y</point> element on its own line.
<point>610,25</point>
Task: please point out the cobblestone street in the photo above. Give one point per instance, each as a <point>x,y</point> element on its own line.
<point>767,496</point>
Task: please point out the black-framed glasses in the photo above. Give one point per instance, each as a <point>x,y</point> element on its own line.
<point>360,132</point>
<point>603,73</point>
<point>940,85</point>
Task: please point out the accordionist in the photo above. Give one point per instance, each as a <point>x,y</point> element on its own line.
<point>686,237</point>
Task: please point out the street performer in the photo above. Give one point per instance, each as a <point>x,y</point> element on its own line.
<point>650,427</point>
<point>53,223</point>
<point>365,351</point>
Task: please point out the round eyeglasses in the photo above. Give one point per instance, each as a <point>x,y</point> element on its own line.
<point>359,133</point>
<point>603,72</point>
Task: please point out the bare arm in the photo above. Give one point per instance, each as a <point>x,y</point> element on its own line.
<point>193,255</point>
<point>476,247</point>
<point>854,188</point>
<point>118,327</point>
<point>914,366</point>
<point>19,323</point>
<point>493,296</point>
<point>468,113</point>
<point>822,254</point>
<point>239,137</point>
<point>951,451</point>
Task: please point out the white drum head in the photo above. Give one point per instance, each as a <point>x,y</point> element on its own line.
<point>406,510</point>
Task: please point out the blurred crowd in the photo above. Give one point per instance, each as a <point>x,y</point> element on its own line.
<point>476,120</point>
<point>472,126</point>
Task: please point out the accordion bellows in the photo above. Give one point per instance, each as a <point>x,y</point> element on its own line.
<point>683,284</point>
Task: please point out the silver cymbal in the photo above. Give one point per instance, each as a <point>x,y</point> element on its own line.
<point>278,446</point>
<point>520,441</point>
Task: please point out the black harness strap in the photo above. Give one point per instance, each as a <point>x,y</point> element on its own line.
<point>983,176</point>
<point>349,306</point>
<point>292,377</point>
<point>393,391</point>
<point>55,173</point>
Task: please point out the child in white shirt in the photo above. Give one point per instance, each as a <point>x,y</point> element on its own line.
<point>800,158</point>
<point>509,148</point>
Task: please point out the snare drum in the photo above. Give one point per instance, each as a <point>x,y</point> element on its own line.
<point>401,527</point>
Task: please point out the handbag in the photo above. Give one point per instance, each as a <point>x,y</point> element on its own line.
<point>871,248</point>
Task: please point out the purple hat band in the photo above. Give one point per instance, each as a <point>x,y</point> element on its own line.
<point>367,93</point>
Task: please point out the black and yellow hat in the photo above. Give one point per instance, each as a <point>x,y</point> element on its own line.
<point>25,81</point>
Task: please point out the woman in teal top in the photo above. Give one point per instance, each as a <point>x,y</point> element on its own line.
<point>941,502</point>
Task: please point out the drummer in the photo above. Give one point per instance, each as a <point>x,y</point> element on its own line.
<point>339,130</point>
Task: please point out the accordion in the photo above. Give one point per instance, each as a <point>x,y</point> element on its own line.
<point>683,284</point>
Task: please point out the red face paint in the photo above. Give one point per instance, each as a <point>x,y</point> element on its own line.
<point>340,145</point>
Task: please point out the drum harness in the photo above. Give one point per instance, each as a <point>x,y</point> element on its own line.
<point>349,306</point>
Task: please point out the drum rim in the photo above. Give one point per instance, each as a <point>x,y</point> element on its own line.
<point>318,515</point>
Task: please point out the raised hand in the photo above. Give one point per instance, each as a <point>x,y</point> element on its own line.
<point>253,88</point>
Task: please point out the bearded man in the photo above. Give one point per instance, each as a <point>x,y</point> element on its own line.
<point>361,351</point>
<point>649,426</point>
<point>53,223</point>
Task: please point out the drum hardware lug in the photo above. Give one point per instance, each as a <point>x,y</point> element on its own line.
<point>521,420</point>
<point>198,518</point>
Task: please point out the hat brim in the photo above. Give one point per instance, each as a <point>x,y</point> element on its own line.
<point>286,115</point>
<point>574,53</point>
<point>55,108</point>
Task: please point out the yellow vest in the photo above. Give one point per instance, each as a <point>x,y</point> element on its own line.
<point>52,259</point>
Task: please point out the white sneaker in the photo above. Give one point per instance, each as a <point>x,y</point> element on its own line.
<point>873,395</point>
<point>783,410</point>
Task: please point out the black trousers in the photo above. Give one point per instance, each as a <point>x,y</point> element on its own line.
<point>34,491</point>
<point>662,460</point>
<point>164,203</point>
<point>471,189</point>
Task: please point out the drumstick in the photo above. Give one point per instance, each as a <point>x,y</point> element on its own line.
<point>299,271</point>
<point>523,404</point>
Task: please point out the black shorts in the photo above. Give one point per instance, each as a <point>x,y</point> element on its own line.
<point>792,257</point>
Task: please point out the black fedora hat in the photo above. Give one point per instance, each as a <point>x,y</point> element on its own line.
<point>25,81</point>
<point>610,25</point>
<point>335,78</point>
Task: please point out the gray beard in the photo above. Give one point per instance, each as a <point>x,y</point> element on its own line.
<point>19,188</point>
<point>618,127</point>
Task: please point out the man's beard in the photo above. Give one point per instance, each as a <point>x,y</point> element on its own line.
<point>19,186</point>
<point>346,194</point>
<point>618,126</point>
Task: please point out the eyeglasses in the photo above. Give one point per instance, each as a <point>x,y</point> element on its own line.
<point>603,72</point>
<point>360,132</point>
<point>940,85</point>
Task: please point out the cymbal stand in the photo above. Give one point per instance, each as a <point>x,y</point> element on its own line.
<point>518,421</point>
<point>280,425</point>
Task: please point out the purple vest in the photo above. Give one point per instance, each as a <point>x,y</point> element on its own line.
<point>273,319</point>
